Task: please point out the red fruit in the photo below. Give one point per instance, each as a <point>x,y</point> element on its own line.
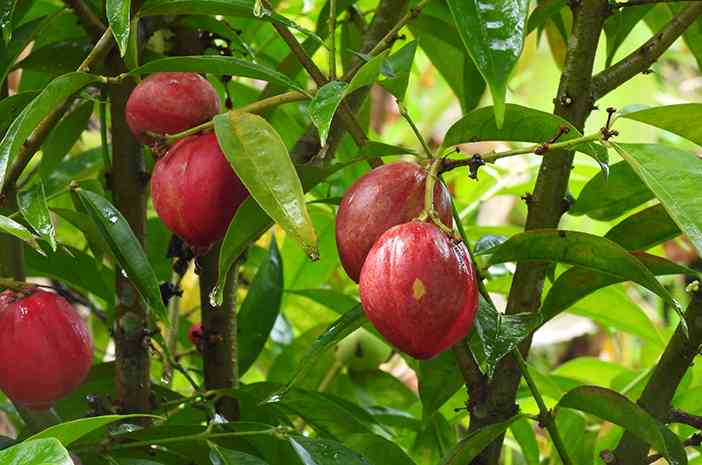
<point>419,289</point>
<point>45,348</point>
<point>195,334</point>
<point>167,103</point>
<point>196,192</point>
<point>385,197</point>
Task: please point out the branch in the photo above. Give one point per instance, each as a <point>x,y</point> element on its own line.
<point>88,20</point>
<point>640,60</point>
<point>646,2</point>
<point>693,441</point>
<point>678,416</point>
<point>667,374</point>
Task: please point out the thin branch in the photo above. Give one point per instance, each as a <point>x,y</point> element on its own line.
<point>693,441</point>
<point>92,24</point>
<point>640,60</point>
<point>646,2</point>
<point>405,114</point>
<point>678,416</point>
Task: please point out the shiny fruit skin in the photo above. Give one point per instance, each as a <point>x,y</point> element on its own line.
<point>168,103</point>
<point>389,195</point>
<point>45,348</point>
<point>196,192</point>
<point>362,351</point>
<point>418,287</point>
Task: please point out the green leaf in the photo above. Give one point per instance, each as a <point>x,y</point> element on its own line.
<point>524,434</point>
<point>317,451</point>
<point>679,119</point>
<point>56,58</point>
<point>582,249</point>
<point>644,229</point>
<point>470,446</point>
<point>613,407</point>
<point>334,300</point>
<point>81,220</point>
<point>542,13</point>
<point>605,198</point>
<point>521,124</point>
<point>377,449</point>
<point>117,12</point>
<point>70,431</point>
<point>39,452</point>
<point>222,456</point>
<point>64,136</point>
<point>125,248</point>
<point>619,25</point>
<point>401,64</point>
<point>500,333</point>
<point>7,10</point>
<point>23,36</point>
<point>439,379</point>
<point>345,325</point>
<point>32,205</point>
<point>493,34</point>
<point>219,65</point>
<point>674,176</point>
<point>260,309</point>
<point>323,106</point>
<point>11,106</point>
<point>261,160</point>
<point>53,96</point>
<point>84,166</point>
<point>12,227</point>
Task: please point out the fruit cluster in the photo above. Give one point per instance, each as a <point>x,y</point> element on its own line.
<point>418,286</point>
<point>194,189</point>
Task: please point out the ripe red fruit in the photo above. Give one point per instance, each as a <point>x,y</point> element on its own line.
<point>167,103</point>
<point>45,348</point>
<point>196,192</point>
<point>418,287</point>
<point>385,197</point>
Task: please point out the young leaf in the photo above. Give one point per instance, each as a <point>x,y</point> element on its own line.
<point>674,176</point>
<point>260,309</point>
<point>54,95</point>
<point>261,160</point>
<point>493,34</point>
<point>36,452</point>
<point>473,444</point>
<point>32,205</point>
<point>219,65</point>
<point>679,119</point>
<point>317,451</point>
<point>12,227</point>
<point>613,407</point>
<point>521,124</point>
<point>125,248</point>
<point>70,431</point>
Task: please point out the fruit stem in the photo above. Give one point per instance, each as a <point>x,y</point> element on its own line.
<point>405,114</point>
<point>429,213</point>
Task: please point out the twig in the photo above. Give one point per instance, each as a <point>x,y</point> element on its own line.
<point>640,60</point>
<point>92,24</point>
<point>405,114</point>
<point>678,416</point>
<point>693,441</point>
<point>645,2</point>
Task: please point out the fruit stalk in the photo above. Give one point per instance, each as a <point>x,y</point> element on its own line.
<point>405,114</point>
<point>429,212</point>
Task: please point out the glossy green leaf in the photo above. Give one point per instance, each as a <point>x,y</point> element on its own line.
<point>117,12</point>
<point>7,9</point>
<point>543,12</point>
<point>32,204</point>
<point>12,227</point>
<point>81,220</point>
<point>439,380</point>
<point>47,451</point>
<point>501,333</point>
<point>323,106</point>
<point>401,64</point>
<point>84,166</point>
<point>125,248</point>
<point>260,309</point>
<point>644,229</point>
<point>377,449</point>
<point>23,36</point>
<point>56,58</point>
<point>493,34</point>
<point>606,198</point>
<point>582,249</point>
<point>219,65</point>
<point>334,300</point>
<point>63,136</point>
<point>54,95</point>
<point>674,176</point>
<point>470,446</point>
<point>261,160</point>
<point>679,119</point>
<point>11,106</point>
<point>317,451</point>
<point>525,436</point>
<point>521,124</point>
<point>70,431</point>
<point>345,325</point>
<point>222,456</point>
<point>619,25</point>
<point>613,407</point>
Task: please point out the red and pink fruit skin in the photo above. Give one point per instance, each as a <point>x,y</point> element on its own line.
<point>418,287</point>
<point>196,192</point>
<point>389,195</point>
<point>45,348</point>
<point>168,103</point>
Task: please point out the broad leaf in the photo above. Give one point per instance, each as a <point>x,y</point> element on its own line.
<point>521,124</point>
<point>11,106</point>
<point>439,380</point>
<point>493,34</point>
<point>12,227</point>
<point>70,431</point>
<point>543,12</point>
<point>525,436</point>
<point>401,64</point>
<point>611,406</point>
<point>7,9</point>
<point>23,36</point>
<point>125,248</point>
<point>473,444</point>
<point>317,451</point>
<point>260,309</point>
<point>53,96</point>
<point>63,136</point>
<point>644,229</point>
<point>32,205</point>
<point>605,198</point>
<point>674,176</point>
<point>219,65</point>
<point>377,449</point>
<point>47,451</point>
<point>117,12</point>
<point>619,25</point>
<point>679,119</point>
<point>81,220</point>
<point>222,456</point>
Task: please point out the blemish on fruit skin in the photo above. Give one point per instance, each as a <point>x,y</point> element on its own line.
<point>418,289</point>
